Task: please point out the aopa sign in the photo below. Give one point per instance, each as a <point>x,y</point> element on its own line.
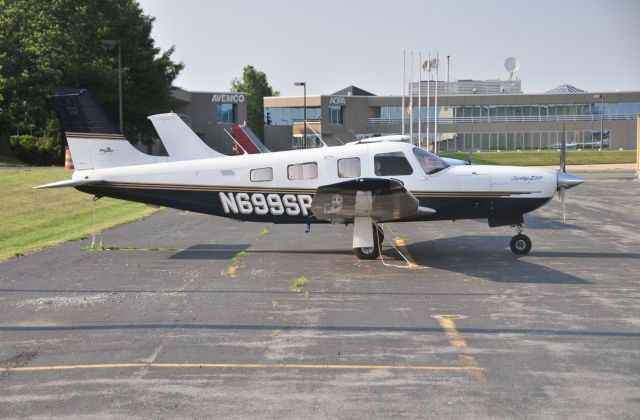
<point>337,100</point>
<point>228,97</point>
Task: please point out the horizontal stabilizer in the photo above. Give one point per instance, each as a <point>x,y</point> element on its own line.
<point>67,183</point>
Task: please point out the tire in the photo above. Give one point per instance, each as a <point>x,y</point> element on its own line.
<point>371,253</point>
<point>520,244</point>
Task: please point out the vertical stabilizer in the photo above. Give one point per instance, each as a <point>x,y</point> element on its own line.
<point>94,140</point>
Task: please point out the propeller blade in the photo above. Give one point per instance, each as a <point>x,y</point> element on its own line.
<point>470,158</point>
<point>561,193</point>
<point>563,151</point>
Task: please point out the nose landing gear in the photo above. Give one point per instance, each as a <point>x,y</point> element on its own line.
<point>520,244</point>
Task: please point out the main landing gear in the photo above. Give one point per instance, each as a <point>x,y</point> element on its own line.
<point>520,244</point>
<point>371,252</point>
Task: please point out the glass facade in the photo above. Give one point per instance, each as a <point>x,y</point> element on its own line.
<point>458,114</point>
<point>527,140</point>
<point>289,115</point>
<point>226,113</point>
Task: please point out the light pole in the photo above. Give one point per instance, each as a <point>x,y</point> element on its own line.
<point>601,97</point>
<point>304,85</point>
<point>110,43</point>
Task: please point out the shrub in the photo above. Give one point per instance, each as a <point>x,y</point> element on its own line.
<point>36,150</point>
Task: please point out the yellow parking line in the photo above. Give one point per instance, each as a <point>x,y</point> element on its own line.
<point>448,324</point>
<point>450,330</point>
<point>239,365</point>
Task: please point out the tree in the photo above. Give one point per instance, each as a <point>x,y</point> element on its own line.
<point>59,42</point>
<point>254,84</point>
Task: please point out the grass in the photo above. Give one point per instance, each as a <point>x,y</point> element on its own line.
<point>34,219</point>
<point>297,283</point>
<point>547,158</point>
<point>239,255</point>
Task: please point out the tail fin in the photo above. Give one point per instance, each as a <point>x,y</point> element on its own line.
<point>179,140</point>
<point>94,140</point>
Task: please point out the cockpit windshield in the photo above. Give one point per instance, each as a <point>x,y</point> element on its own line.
<point>429,162</point>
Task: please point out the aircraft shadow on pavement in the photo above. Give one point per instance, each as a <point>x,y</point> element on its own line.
<point>537,222</point>
<point>488,257</point>
<point>210,252</point>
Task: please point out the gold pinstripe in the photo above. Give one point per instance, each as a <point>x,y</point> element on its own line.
<point>94,136</point>
<point>220,188</point>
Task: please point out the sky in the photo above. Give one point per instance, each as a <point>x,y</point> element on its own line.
<point>332,44</point>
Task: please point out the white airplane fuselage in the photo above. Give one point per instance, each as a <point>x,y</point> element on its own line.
<point>223,186</point>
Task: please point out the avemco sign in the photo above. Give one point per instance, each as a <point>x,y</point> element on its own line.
<point>233,98</point>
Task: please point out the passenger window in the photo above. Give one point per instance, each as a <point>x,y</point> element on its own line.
<point>302,171</point>
<point>261,174</point>
<point>390,164</point>
<point>349,167</point>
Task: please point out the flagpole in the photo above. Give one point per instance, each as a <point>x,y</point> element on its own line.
<point>435,125</point>
<point>420,100</point>
<point>428,97</point>
<point>411,101</point>
<point>404,76</point>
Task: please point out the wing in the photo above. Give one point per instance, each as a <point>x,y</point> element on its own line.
<point>381,199</point>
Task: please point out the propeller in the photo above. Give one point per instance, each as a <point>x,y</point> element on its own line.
<point>563,152</point>
<point>565,180</point>
<point>563,169</point>
<point>470,157</point>
<point>561,194</point>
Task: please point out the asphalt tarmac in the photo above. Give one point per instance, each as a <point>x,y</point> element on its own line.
<point>199,317</point>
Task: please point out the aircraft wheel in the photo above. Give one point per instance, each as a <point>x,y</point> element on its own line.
<point>371,252</point>
<point>367,253</point>
<point>520,244</point>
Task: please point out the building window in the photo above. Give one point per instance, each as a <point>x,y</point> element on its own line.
<point>226,113</point>
<point>287,115</point>
<point>261,174</point>
<point>392,164</point>
<point>302,171</point>
<point>349,167</point>
<point>336,115</point>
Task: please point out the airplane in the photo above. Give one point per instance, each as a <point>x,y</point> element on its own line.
<point>364,183</point>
